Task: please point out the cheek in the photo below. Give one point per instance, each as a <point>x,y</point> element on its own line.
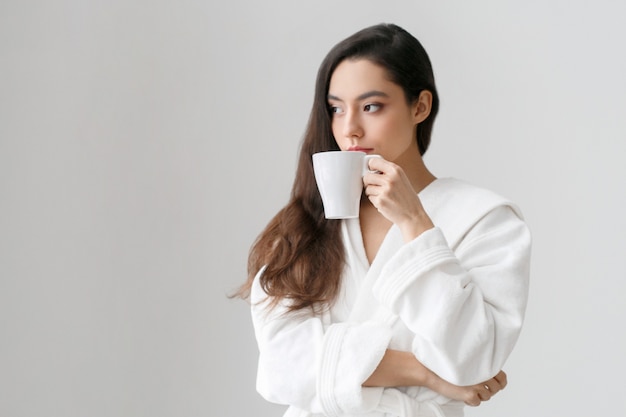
<point>390,128</point>
<point>402,128</point>
<point>336,129</point>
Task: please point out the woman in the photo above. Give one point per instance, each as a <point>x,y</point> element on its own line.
<point>411,309</point>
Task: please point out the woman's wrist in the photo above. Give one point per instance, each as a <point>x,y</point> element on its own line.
<point>415,226</point>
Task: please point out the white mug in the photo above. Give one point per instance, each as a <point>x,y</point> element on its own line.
<point>339,177</point>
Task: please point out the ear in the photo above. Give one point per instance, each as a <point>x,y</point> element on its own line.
<point>422,106</point>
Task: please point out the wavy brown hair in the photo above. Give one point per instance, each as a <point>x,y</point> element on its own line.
<point>303,251</point>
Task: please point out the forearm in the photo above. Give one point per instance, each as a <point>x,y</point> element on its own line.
<point>397,369</point>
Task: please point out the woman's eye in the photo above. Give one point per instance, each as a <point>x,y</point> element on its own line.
<point>370,108</point>
<point>335,109</point>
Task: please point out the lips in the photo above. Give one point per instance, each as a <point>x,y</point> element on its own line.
<point>360,149</point>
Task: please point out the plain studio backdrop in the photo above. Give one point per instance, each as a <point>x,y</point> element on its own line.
<point>145,144</point>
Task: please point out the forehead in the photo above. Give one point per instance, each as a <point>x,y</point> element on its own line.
<point>352,77</point>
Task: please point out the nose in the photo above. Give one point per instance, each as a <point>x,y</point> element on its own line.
<point>352,127</point>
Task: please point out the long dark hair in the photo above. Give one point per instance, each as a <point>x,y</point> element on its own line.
<point>302,251</point>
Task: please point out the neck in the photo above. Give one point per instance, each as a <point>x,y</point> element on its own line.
<point>413,166</point>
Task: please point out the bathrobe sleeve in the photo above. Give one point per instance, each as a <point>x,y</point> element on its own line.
<point>466,306</point>
<point>312,366</point>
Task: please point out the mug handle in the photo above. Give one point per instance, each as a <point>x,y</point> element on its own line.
<point>366,161</point>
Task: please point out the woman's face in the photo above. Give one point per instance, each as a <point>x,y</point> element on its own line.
<point>370,113</point>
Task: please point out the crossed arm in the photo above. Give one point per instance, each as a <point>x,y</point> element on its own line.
<point>399,368</point>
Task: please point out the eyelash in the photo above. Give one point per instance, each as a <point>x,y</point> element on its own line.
<point>336,109</point>
<point>377,105</point>
<point>333,109</point>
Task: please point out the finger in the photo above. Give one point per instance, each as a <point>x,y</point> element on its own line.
<point>495,384</point>
<point>377,164</point>
<point>502,379</point>
<point>373,179</point>
<point>372,190</point>
<point>492,386</point>
<point>484,393</point>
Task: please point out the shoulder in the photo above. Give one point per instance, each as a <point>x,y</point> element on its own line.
<point>452,194</point>
<point>456,206</point>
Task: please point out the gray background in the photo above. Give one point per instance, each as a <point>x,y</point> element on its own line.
<point>145,144</point>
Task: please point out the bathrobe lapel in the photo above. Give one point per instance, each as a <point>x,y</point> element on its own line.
<point>363,308</point>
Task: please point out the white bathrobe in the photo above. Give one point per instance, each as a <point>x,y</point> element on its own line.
<point>455,297</point>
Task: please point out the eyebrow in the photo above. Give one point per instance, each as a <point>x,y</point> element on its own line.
<point>369,94</point>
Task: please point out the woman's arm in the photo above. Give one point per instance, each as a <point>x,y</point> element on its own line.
<point>306,363</point>
<point>399,368</point>
<point>464,303</point>
<point>465,307</point>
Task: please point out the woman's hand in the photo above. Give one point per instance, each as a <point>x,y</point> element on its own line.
<point>391,192</point>
<point>471,395</point>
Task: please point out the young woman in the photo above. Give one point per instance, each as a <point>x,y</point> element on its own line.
<point>411,309</point>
